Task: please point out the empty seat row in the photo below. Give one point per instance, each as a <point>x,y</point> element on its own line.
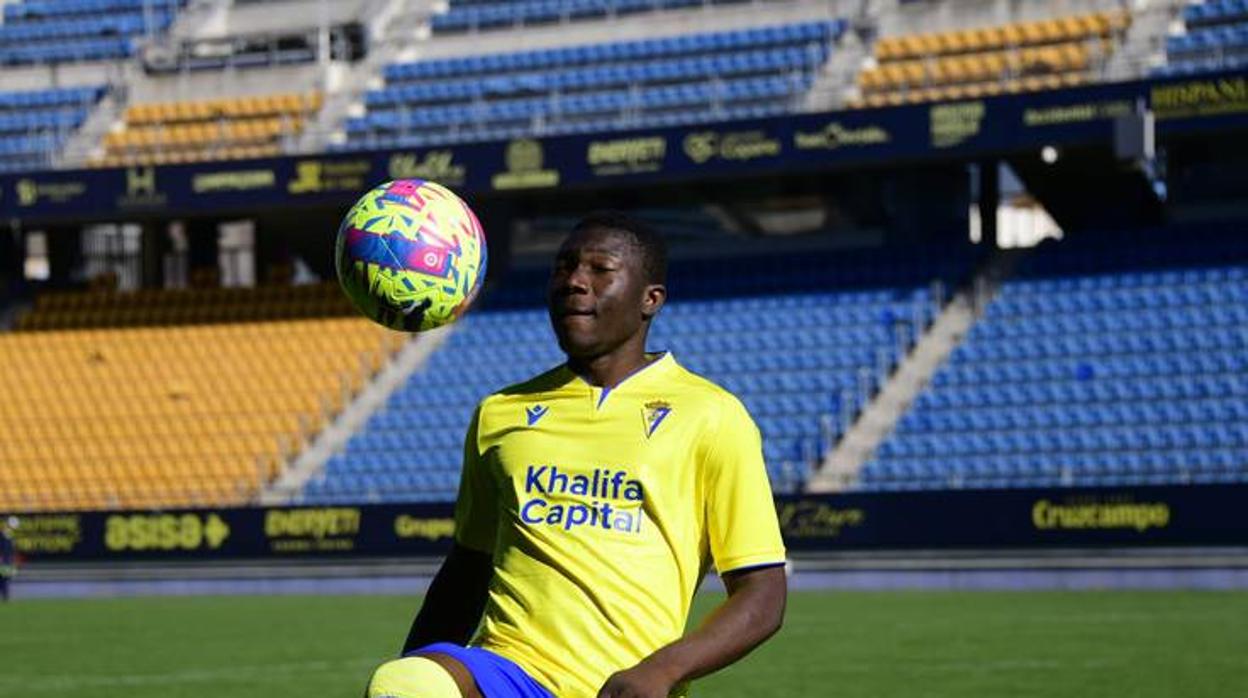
<point>1231,37</point>
<point>104,25</point>
<point>1230,410</point>
<point>617,52</point>
<point>184,306</point>
<point>597,103</point>
<point>67,51</point>
<point>1215,12</point>
<point>462,16</point>
<point>1050,31</point>
<point>1091,368</point>
<point>568,124</point>
<point>225,132</point>
<point>38,9</point>
<point>598,76</point>
<point>1052,440</point>
<point>165,156</point>
<point>977,90</point>
<point>223,108</point>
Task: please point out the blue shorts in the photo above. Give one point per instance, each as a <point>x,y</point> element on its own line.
<point>496,676</point>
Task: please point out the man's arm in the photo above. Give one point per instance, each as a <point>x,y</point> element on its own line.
<point>752,613</point>
<point>455,600</point>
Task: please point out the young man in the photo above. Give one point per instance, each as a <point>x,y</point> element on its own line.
<point>592,501</point>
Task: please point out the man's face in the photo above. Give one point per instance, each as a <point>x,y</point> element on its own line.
<point>598,297</point>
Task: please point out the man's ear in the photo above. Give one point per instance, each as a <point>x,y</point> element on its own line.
<point>652,301</point>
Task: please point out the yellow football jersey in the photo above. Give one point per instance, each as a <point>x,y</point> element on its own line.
<point>603,509</point>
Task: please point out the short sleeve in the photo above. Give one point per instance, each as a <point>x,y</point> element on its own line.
<point>740,512</point>
<point>476,507</point>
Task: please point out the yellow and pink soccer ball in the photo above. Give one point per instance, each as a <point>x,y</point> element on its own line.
<point>411,255</point>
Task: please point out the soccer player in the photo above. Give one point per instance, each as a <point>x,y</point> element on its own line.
<point>592,501</point>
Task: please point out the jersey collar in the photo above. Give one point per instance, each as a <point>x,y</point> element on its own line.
<point>651,370</point>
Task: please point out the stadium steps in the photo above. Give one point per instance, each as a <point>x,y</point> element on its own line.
<point>1144,44</point>
<point>829,89</point>
<point>86,140</point>
<point>311,461</point>
<point>392,28</point>
<point>880,416</point>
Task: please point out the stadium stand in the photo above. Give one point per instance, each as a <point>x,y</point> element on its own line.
<point>216,129</point>
<point>54,31</point>
<point>35,123</point>
<point>795,337</point>
<point>1113,360</point>
<point>598,87</point>
<point>975,62</point>
<point>1214,37</point>
<point>171,415</point>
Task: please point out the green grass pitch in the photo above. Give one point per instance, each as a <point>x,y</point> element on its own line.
<point>833,644</point>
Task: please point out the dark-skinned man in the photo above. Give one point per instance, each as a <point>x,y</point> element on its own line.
<point>593,499</point>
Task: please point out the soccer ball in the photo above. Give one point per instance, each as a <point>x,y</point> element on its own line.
<point>410,255</point>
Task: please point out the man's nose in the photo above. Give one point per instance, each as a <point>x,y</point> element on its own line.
<point>577,279</point>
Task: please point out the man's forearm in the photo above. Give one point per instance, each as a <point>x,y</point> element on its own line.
<point>454,603</point>
<point>742,622</point>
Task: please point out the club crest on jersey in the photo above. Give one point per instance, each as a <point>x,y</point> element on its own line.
<point>535,413</point>
<point>653,415</point>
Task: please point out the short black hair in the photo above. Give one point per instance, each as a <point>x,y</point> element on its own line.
<point>645,238</point>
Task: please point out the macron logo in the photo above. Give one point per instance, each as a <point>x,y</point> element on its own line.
<point>535,413</point>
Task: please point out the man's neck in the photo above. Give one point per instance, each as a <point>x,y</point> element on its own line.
<point>608,370</point>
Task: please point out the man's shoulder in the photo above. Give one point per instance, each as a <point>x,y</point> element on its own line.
<point>697,388</point>
<point>530,390</point>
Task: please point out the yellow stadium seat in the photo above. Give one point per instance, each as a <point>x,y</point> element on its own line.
<point>1033,32</point>
<point>870,79</point>
<point>950,42</point>
<point>1012,35</point>
<point>1075,56</point>
<point>974,40</point>
<point>994,38</point>
<point>914,73</point>
<point>885,49</point>
<point>909,46</point>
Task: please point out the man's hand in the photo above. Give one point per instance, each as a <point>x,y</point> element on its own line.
<point>642,681</point>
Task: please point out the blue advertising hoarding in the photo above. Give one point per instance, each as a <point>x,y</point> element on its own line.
<point>805,143</point>
<point>1191,515</point>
